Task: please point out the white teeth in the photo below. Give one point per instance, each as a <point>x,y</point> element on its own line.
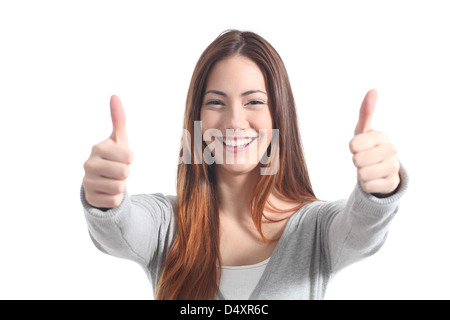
<point>237,143</point>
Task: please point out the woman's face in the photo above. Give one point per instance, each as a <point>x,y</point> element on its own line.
<point>236,105</point>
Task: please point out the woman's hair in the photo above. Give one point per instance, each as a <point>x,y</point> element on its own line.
<point>191,270</point>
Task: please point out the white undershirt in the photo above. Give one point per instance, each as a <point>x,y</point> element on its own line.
<point>238,282</point>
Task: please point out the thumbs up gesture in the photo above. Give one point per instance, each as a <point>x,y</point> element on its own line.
<point>373,154</point>
<point>109,163</point>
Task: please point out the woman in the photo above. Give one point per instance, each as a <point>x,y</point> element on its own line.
<point>245,223</point>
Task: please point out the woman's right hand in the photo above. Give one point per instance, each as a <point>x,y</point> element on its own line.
<point>108,166</point>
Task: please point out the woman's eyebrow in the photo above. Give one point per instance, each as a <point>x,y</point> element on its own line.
<point>216,92</point>
<point>246,93</point>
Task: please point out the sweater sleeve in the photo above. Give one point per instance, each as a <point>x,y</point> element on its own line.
<point>359,228</point>
<point>139,228</point>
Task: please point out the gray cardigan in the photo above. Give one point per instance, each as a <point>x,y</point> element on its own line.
<point>319,239</point>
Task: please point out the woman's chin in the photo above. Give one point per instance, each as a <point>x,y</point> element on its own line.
<point>237,169</point>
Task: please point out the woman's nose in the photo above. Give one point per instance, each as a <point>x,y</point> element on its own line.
<point>236,117</point>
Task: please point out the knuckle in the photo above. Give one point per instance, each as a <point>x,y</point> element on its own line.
<point>389,148</point>
<point>102,202</point>
<point>110,187</point>
<point>356,160</point>
<point>123,172</point>
<point>128,157</point>
<point>372,188</point>
<point>88,166</point>
<point>366,187</point>
<point>122,187</point>
<point>360,179</point>
<point>394,150</point>
<point>118,187</point>
<point>94,200</point>
<point>92,165</point>
<point>393,184</point>
<point>116,200</point>
<point>97,148</point>
<point>89,199</point>
<point>352,145</point>
<point>100,148</point>
<point>396,165</point>
<point>86,183</point>
<point>361,175</point>
<point>105,201</point>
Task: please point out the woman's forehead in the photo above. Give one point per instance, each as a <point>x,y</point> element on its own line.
<point>235,74</point>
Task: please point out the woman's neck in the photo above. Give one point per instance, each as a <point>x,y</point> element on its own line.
<point>235,192</point>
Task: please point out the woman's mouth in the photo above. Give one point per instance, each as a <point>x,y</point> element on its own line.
<point>237,144</point>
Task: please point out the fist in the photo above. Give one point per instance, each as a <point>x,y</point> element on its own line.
<point>373,154</point>
<point>108,166</point>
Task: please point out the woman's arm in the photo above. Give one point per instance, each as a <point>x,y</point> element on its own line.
<point>360,229</point>
<point>137,229</point>
<point>127,227</point>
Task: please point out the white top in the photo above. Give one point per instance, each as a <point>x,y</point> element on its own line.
<point>238,282</point>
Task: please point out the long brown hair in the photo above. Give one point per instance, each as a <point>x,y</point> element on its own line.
<point>191,269</point>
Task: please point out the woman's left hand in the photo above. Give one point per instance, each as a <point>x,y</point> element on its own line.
<point>374,156</point>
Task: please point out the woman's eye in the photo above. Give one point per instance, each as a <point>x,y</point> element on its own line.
<point>214,103</point>
<point>255,102</point>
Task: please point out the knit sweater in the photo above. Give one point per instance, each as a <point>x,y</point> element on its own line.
<point>319,240</point>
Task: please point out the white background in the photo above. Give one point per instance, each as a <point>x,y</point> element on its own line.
<point>60,62</point>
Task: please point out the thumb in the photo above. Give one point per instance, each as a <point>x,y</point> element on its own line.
<point>119,134</point>
<point>366,112</point>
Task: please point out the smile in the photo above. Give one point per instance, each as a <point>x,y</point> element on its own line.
<point>236,144</point>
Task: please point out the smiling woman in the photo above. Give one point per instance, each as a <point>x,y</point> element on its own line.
<point>236,70</point>
<point>230,217</point>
